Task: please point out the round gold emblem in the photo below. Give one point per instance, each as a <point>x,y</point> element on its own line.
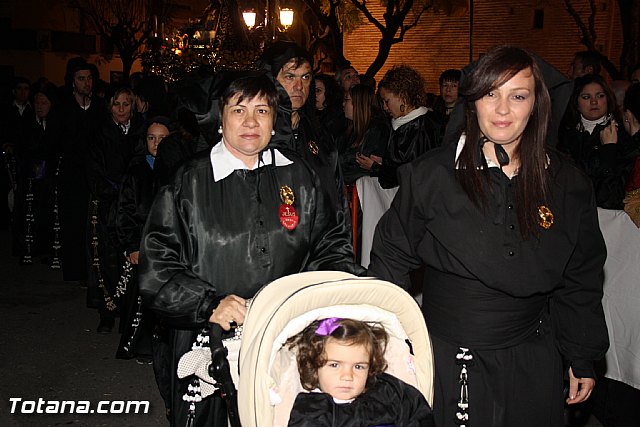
<point>545,217</point>
<point>286,195</point>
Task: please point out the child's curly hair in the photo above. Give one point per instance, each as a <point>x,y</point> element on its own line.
<point>311,348</point>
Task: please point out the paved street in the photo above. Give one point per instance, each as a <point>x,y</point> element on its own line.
<point>49,349</point>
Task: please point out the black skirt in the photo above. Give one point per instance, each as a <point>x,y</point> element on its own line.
<point>515,386</point>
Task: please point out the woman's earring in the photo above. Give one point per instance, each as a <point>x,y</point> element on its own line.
<point>402,108</point>
<point>220,130</point>
<point>273,132</point>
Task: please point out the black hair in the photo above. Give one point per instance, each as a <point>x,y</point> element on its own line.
<point>451,75</point>
<point>589,58</point>
<point>73,66</point>
<point>332,92</point>
<point>572,115</point>
<point>249,86</point>
<point>493,70</point>
<point>280,53</point>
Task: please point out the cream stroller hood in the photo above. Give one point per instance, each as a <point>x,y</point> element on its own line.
<point>285,306</point>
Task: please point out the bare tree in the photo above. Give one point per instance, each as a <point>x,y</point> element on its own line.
<point>629,21</point>
<point>399,17</point>
<point>330,19</point>
<point>128,24</point>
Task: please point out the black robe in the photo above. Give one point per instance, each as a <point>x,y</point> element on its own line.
<point>78,130</point>
<point>518,305</point>
<point>608,165</point>
<point>108,159</point>
<point>374,142</point>
<point>407,143</point>
<point>204,240</point>
<point>38,162</point>
<point>136,196</point>
<point>388,402</point>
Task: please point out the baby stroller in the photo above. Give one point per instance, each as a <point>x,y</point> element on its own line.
<point>269,381</point>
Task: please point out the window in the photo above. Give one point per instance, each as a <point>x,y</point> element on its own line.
<point>538,19</point>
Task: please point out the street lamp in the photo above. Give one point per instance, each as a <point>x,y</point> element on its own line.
<point>286,17</point>
<point>249,18</point>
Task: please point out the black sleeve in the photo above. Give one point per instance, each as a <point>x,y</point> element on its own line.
<point>167,283</point>
<point>128,224</point>
<point>392,254</point>
<point>576,308</point>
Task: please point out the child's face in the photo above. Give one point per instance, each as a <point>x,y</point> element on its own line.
<point>344,376</point>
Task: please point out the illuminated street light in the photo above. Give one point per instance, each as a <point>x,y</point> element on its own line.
<point>286,17</point>
<point>249,18</point>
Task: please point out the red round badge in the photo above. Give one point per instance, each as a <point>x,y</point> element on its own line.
<point>288,216</point>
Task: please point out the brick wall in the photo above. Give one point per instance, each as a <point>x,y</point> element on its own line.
<point>440,42</point>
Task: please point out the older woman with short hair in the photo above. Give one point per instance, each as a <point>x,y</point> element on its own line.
<point>231,220</point>
<point>109,155</point>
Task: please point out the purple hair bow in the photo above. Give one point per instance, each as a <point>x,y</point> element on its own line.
<point>327,326</point>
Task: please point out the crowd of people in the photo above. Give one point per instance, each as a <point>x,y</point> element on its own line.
<point>174,205</point>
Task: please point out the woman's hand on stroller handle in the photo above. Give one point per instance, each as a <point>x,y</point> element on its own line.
<point>231,311</point>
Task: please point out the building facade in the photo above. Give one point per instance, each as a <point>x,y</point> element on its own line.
<point>439,42</point>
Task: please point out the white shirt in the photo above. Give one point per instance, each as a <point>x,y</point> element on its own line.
<point>21,107</point>
<point>224,163</point>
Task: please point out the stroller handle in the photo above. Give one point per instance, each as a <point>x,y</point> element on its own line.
<point>220,371</point>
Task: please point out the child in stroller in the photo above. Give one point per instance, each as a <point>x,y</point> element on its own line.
<point>341,363</point>
<point>269,379</point>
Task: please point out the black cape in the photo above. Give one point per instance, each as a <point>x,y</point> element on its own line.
<point>489,290</point>
<point>204,240</point>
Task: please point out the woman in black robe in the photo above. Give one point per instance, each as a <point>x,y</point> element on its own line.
<point>508,232</point>
<point>591,135</point>
<point>231,220</point>
<point>403,95</point>
<point>138,190</point>
<point>109,155</point>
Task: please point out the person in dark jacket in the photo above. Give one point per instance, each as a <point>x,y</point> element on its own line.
<point>142,337</point>
<point>591,135</point>
<point>39,159</point>
<point>297,127</point>
<point>81,114</point>
<point>403,95</point>
<point>367,134</point>
<point>341,364</point>
<point>109,156</point>
<point>231,220</point>
<point>449,81</point>
<point>507,229</point>
<point>138,189</point>
<point>328,97</point>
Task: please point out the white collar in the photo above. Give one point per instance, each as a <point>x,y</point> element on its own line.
<point>335,399</point>
<point>396,123</point>
<point>590,125</point>
<point>21,107</point>
<point>124,127</point>
<point>224,163</point>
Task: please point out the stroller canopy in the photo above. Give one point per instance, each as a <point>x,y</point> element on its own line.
<point>285,306</point>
